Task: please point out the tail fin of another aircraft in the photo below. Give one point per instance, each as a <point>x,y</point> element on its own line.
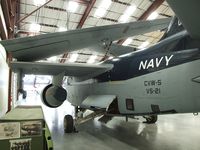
<point>174,27</point>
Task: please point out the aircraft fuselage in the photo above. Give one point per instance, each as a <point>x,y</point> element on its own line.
<point>165,81</point>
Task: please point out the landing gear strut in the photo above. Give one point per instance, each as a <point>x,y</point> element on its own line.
<point>150,119</point>
<point>70,123</point>
<point>23,92</point>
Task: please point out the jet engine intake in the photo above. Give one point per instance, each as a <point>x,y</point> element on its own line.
<point>53,96</point>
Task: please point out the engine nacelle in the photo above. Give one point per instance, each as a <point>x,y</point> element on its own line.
<point>53,96</point>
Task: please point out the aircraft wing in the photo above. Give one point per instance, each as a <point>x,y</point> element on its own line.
<point>81,71</point>
<point>114,49</point>
<point>47,45</point>
<point>188,12</point>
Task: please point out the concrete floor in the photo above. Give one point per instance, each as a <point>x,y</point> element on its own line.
<point>171,132</point>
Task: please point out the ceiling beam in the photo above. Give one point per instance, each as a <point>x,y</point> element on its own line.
<point>3,31</point>
<point>17,13</point>
<point>145,15</point>
<point>13,16</point>
<point>9,9</point>
<point>151,9</point>
<point>80,24</point>
<point>86,13</point>
<point>23,18</point>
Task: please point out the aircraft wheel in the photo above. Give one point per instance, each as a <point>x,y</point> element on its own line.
<point>24,94</point>
<point>150,119</point>
<point>68,124</point>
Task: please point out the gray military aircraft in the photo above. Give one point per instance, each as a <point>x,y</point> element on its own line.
<point>162,79</point>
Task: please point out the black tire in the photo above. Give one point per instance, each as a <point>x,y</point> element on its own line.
<point>151,119</point>
<point>68,124</point>
<point>24,94</point>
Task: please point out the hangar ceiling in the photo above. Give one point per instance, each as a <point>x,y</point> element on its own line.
<point>61,15</point>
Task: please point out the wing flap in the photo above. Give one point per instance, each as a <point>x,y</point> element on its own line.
<point>82,71</point>
<point>46,45</point>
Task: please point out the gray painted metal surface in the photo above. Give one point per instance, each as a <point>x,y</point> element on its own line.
<point>190,18</point>
<point>165,78</point>
<point>82,71</point>
<point>177,90</point>
<point>43,46</point>
<point>98,101</point>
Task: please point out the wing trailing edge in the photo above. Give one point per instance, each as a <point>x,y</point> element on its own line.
<point>80,71</point>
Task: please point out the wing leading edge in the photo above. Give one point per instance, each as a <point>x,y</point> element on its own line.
<point>46,45</point>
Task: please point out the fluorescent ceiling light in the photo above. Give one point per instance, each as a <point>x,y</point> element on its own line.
<point>53,58</point>
<point>73,58</point>
<point>35,27</point>
<point>92,59</point>
<point>111,57</point>
<point>128,12</point>
<point>143,45</point>
<point>72,6</point>
<point>105,4</point>
<point>153,16</point>
<point>124,18</point>
<point>127,42</point>
<point>101,11</point>
<point>61,29</point>
<point>39,2</point>
<point>116,59</point>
